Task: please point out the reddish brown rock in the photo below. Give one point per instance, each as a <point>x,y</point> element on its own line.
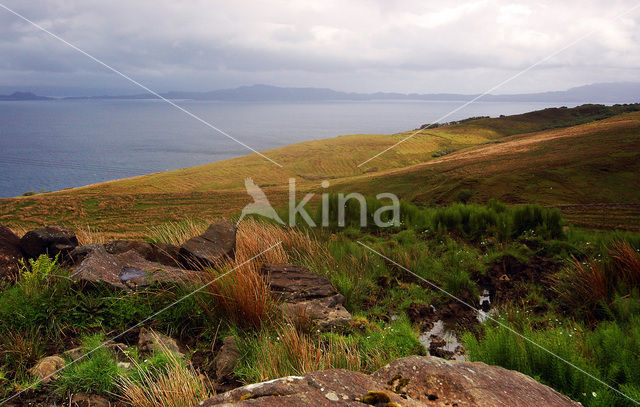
<point>408,382</point>
<point>10,254</point>
<point>226,360</point>
<point>215,244</point>
<point>125,270</point>
<point>46,369</point>
<point>293,283</point>
<point>151,341</point>
<point>50,240</point>
<point>89,400</point>
<point>304,292</point>
<point>437,382</point>
<point>166,254</point>
<point>322,389</point>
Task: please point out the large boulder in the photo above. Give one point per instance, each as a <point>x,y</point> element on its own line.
<point>412,381</point>
<point>128,270</point>
<point>166,254</point>
<point>50,240</point>
<point>10,253</point>
<point>217,243</point>
<point>304,292</point>
<point>438,382</point>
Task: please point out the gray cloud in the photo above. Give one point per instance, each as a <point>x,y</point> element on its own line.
<point>366,45</point>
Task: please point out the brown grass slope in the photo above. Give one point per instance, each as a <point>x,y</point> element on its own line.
<point>593,163</point>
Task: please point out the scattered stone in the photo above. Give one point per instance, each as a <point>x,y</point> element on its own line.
<point>46,368</point>
<point>304,292</point>
<point>226,360</point>
<point>10,254</point>
<point>215,244</point>
<point>293,283</point>
<point>126,270</point>
<point>89,400</point>
<point>150,341</point>
<point>50,240</point>
<point>409,382</point>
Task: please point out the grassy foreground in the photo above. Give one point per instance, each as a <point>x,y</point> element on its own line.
<point>576,293</point>
<point>585,159</point>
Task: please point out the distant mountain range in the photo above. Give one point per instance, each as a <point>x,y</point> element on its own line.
<point>23,96</point>
<point>619,92</point>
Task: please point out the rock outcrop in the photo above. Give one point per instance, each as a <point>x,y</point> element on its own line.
<point>128,270</point>
<point>50,240</point>
<point>10,254</point>
<point>215,244</point>
<point>305,292</point>
<point>408,382</point>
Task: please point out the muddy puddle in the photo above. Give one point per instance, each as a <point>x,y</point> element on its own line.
<point>442,339</point>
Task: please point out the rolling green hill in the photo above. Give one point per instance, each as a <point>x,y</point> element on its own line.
<point>586,158</point>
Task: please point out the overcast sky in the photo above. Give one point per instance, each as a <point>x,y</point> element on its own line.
<point>364,46</point>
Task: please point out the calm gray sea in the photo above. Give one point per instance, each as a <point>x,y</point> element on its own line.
<point>51,145</point>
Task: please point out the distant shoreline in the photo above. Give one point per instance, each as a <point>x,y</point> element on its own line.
<point>609,93</point>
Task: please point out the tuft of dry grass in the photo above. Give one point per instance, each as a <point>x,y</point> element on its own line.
<point>293,352</point>
<point>584,284</point>
<point>178,384</point>
<point>625,263</point>
<point>588,284</point>
<point>22,348</point>
<point>87,235</point>
<point>176,233</point>
<point>243,295</point>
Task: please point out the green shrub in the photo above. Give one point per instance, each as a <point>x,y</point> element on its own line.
<point>96,373</point>
<point>464,195</point>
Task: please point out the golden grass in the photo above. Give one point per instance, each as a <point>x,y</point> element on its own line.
<point>589,284</point>
<point>243,295</point>
<point>582,285</point>
<point>87,235</point>
<point>176,233</point>
<point>292,352</point>
<point>626,262</point>
<point>178,384</point>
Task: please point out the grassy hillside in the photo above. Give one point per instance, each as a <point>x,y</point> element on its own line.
<point>542,157</point>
